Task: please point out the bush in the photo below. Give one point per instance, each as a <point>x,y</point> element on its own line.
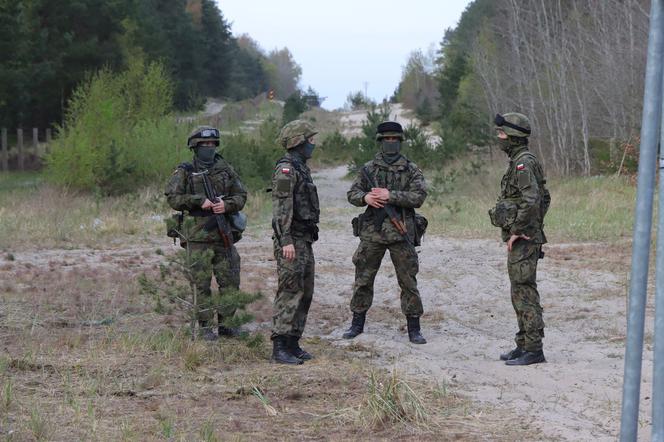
<point>294,105</point>
<point>253,156</point>
<point>117,134</point>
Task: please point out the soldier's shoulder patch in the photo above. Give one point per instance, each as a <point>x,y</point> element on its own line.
<point>520,166</point>
<point>286,170</point>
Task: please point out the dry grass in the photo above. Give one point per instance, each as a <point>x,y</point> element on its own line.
<point>582,209</point>
<point>38,215</point>
<point>84,357</point>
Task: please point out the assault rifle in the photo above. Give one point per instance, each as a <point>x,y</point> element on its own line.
<point>389,210</point>
<point>222,224</point>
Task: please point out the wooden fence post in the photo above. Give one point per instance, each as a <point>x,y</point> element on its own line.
<point>49,137</point>
<point>35,141</point>
<point>19,143</point>
<point>5,151</point>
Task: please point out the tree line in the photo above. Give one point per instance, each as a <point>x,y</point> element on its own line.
<point>48,48</point>
<point>575,68</point>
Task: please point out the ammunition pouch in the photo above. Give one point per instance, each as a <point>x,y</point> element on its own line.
<point>421,224</point>
<point>305,226</point>
<point>503,214</point>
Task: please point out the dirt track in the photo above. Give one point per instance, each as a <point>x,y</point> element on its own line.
<point>469,320</point>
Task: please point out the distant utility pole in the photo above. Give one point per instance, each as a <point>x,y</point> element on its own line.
<point>366,85</point>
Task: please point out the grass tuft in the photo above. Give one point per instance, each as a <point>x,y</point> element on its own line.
<point>390,399</point>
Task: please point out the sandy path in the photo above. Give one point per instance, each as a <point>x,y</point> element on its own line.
<point>469,320</point>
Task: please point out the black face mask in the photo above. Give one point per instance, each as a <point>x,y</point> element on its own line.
<point>505,145</point>
<point>205,155</point>
<point>391,150</point>
<point>511,144</point>
<point>308,150</point>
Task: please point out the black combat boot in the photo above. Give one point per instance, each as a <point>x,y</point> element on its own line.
<point>280,351</point>
<point>230,332</point>
<point>512,354</point>
<point>527,358</point>
<point>356,326</point>
<point>206,332</point>
<point>294,347</point>
<point>414,330</point>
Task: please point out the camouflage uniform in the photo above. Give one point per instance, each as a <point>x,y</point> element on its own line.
<point>185,192</point>
<point>295,216</point>
<point>520,210</point>
<point>407,192</point>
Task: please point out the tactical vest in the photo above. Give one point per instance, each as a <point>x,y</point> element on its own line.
<point>221,179</point>
<point>545,196</point>
<point>306,208</point>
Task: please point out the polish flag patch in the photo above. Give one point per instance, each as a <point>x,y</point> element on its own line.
<point>520,166</point>
<point>285,170</point>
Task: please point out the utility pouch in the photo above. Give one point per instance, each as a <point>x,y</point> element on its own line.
<point>174,225</point>
<point>357,224</point>
<point>421,224</point>
<point>238,223</point>
<point>503,214</point>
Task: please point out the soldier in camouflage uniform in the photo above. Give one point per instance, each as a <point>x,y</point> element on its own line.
<point>519,213</point>
<point>295,219</point>
<point>389,179</point>
<point>185,192</point>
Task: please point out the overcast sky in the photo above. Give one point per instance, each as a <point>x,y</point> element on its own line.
<point>342,45</point>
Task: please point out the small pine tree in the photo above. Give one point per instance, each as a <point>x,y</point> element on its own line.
<point>176,288</point>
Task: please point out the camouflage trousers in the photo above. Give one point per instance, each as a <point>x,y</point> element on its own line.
<point>224,264</point>
<point>522,270</point>
<point>295,290</point>
<point>367,260</point>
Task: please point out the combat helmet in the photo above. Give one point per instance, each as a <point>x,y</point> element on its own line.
<point>513,124</point>
<point>203,133</point>
<point>389,129</point>
<point>295,133</point>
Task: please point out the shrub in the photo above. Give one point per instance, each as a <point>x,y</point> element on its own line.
<point>117,134</point>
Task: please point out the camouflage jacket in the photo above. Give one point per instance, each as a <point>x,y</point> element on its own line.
<point>408,190</point>
<point>186,192</point>
<point>524,185</point>
<point>295,207</point>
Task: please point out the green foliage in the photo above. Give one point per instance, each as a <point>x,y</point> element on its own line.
<point>334,149</point>
<point>365,147</point>
<point>253,156</point>
<point>357,100</point>
<point>176,286</point>
<point>417,88</point>
<point>49,50</point>
<point>117,135</point>
<point>609,156</point>
<point>295,104</point>
<point>416,145</point>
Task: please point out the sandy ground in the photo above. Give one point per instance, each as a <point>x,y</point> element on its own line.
<point>352,121</point>
<point>468,317</point>
<point>469,320</point>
